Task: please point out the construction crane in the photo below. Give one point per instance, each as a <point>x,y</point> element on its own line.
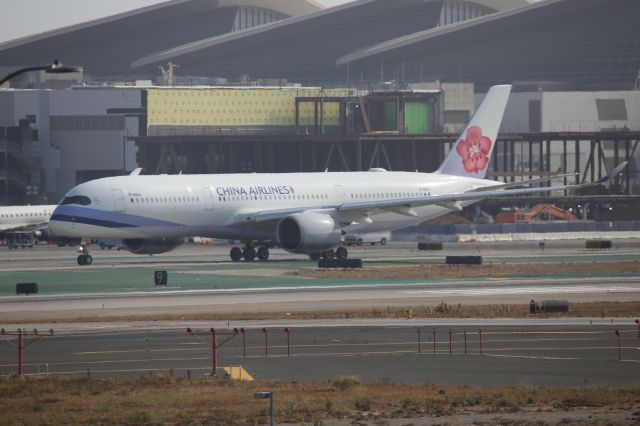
<point>534,213</point>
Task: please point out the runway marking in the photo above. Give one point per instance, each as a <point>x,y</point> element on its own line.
<point>126,351</point>
<point>487,341</point>
<point>336,354</point>
<point>585,348</point>
<point>133,370</point>
<point>515,333</point>
<point>363,344</point>
<point>112,361</point>
<point>532,357</point>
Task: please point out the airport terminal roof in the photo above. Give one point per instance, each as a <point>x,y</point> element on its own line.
<point>589,43</point>
<point>108,45</point>
<point>349,14</point>
<point>582,44</point>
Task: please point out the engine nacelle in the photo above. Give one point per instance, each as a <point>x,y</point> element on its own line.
<point>44,234</point>
<point>151,245</point>
<point>307,233</point>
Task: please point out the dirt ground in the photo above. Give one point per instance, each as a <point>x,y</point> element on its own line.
<point>471,271</point>
<point>340,401</point>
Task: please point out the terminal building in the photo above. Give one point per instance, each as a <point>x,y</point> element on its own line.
<point>266,86</point>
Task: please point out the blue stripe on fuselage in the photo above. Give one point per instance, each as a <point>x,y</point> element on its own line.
<point>104,218</point>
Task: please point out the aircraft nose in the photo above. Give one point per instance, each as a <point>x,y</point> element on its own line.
<point>61,223</point>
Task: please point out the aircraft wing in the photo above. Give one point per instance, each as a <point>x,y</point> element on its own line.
<point>348,212</point>
<point>447,200</point>
<point>402,205</point>
<point>522,183</point>
<point>405,206</point>
<point>22,227</point>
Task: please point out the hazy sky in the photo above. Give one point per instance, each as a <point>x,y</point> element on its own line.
<point>20,18</point>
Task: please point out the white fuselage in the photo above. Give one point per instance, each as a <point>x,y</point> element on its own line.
<point>210,205</point>
<point>24,217</point>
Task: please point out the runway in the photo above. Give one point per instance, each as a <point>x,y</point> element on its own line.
<point>310,298</point>
<point>202,280</point>
<point>553,352</point>
<point>537,352</point>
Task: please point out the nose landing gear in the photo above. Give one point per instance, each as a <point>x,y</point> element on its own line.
<point>84,259</point>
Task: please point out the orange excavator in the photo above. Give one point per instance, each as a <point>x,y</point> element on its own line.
<point>535,212</point>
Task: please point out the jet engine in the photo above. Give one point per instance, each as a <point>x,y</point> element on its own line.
<point>151,245</point>
<point>307,233</point>
<point>44,234</point>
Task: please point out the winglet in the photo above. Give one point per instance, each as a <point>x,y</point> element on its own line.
<point>136,172</point>
<point>613,173</point>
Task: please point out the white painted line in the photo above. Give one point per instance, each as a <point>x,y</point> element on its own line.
<point>531,357</point>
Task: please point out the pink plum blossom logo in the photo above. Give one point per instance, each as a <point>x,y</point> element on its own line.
<point>474,150</point>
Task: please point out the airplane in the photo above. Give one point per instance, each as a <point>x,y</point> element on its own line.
<point>305,213</point>
<point>24,219</point>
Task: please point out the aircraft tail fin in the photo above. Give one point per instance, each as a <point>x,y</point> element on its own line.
<point>472,152</point>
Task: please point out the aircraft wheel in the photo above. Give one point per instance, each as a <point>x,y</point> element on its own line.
<point>81,260</point>
<point>342,253</point>
<point>235,254</point>
<point>328,254</point>
<point>88,260</point>
<point>383,241</point>
<point>263,253</point>
<point>249,254</point>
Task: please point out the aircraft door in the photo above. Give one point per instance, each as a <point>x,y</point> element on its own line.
<point>209,197</point>
<point>341,195</point>
<point>119,204</point>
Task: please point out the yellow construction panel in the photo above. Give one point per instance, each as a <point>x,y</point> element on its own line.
<point>235,107</point>
<point>238,373</point>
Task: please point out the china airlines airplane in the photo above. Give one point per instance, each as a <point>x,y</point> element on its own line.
<point>304,213</point>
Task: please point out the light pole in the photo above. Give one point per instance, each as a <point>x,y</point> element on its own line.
<point>54,68</point>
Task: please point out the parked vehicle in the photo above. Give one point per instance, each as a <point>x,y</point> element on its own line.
<point>371,238</point>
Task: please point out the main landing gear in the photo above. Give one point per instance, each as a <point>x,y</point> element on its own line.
<point>249,253</point>
<point>339,253</point>
<point>84,258</point>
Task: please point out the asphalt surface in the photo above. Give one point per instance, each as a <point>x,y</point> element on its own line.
<point>201,279</point>
<point>551,353</point>
<point>568,352</point>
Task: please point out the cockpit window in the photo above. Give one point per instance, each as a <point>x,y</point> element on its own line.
<point>77,199</point>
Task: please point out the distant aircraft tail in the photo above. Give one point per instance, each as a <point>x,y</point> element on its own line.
<point>472,153</point>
